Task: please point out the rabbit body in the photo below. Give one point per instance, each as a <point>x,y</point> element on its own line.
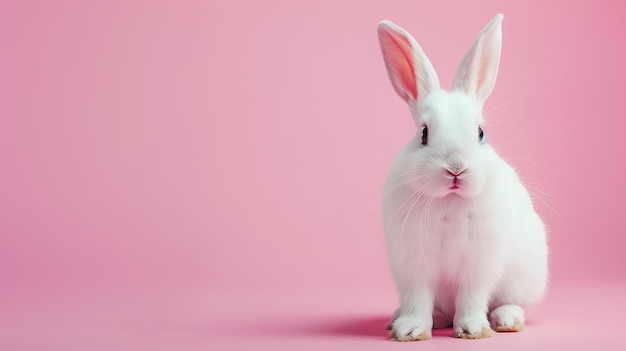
<point>466,247</point>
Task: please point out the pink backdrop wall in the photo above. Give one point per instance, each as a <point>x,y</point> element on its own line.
<point>231,145</point>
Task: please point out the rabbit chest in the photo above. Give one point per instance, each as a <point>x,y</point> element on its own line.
<point>459,237</point>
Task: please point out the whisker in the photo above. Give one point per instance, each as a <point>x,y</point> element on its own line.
<point>388,225</point>
<point>403,183</point>
<point>503,105</point>
<point>409,212</point>
<point>404,143</point>
<point>544,202</point>
<point>395,187</point>
<point>522,159</point>
<point>414,168</point>
<point>537,183</point>
<point>533,191</point>
<point>423,232</point>
<point>499,121</point>
<point>537,190</point>
<point>399,238</point>
<point>501,146</point>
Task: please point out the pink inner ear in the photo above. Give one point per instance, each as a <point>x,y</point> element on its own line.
<point>399,56</point>
<point>483,68</point>
<point>482,72</point>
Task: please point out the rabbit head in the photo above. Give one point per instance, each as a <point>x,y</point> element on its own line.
<point>449,154</point>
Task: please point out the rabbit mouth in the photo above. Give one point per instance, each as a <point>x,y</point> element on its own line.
<point>455,183</point>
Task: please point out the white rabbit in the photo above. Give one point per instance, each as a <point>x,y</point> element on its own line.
<point>466,247</point>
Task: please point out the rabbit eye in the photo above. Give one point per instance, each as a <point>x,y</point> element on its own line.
<point>425,136</point>
<point>482,137</point>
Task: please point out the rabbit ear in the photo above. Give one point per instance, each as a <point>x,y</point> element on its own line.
<point>411,73</point>
<point>477,73</point>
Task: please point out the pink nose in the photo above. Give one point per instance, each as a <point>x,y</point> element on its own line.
<point>455,173</point>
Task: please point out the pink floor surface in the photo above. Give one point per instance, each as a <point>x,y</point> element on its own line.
<point>570,318</point>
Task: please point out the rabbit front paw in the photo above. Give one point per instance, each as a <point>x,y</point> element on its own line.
<point>472,328</point>
<point>412,328</point>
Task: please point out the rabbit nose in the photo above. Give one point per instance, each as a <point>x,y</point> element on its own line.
<point>455,173</point>
<point>455,168</point>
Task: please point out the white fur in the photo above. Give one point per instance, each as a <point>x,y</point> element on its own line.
<point>459,253</point>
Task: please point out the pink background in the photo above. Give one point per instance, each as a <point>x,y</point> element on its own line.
<point>207,175</point>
